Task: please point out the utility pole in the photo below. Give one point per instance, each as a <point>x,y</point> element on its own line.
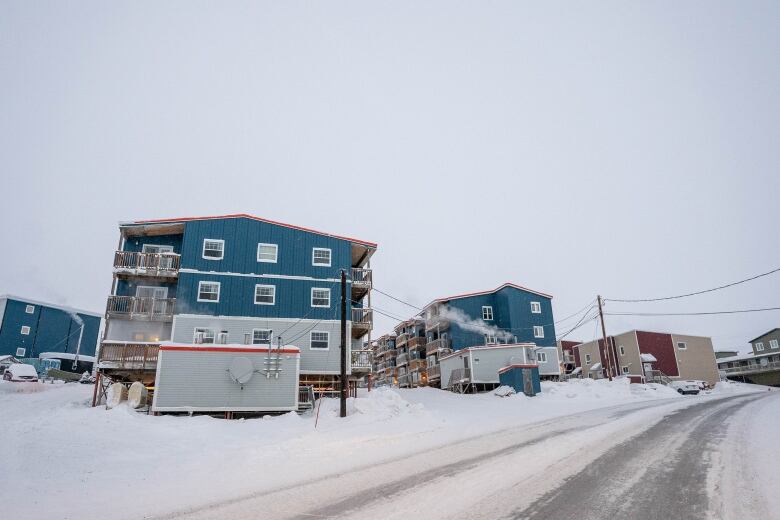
<point>344,382</point>
<point>606,344</point>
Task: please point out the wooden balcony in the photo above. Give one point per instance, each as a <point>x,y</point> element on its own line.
<point>402,359</point>
<point>135,308</point>
<point>120,355</point>
<point>437,323</point>
<point>417,365</point>
<point>361,361</point>
<point>438,346</point>
<point>416,342</point>
<point>434,373</point>
<point>402,339</point>
<point>362,321</point>
<point>362,281</point>
<point>164,265</point>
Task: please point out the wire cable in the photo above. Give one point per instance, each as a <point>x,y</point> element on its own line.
<point>739,311</point>
<point>637,300</point>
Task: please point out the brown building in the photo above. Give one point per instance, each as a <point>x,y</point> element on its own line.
<point>646,356</point>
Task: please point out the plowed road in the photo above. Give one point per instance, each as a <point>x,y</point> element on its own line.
<point>675,459</point>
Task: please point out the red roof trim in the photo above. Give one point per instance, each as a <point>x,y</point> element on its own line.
<point>507,284</point>
<point>510,367</point>
<point>260,219</point>
<point>228,349</point>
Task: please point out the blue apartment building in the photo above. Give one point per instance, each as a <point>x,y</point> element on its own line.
<point>237,279</point>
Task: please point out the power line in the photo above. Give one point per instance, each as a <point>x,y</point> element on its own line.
<point>588,306</point>
<point>397,299</point>
<point>739,311</point>
<point>637,300</point>
<point>579,324</point>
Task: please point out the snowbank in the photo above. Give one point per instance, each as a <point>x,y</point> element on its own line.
<point>173,462</point>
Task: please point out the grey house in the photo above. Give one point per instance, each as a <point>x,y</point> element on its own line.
<point>767,343</point>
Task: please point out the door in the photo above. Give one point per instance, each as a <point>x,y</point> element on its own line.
<point>151,299</point>
<point>159,261</point>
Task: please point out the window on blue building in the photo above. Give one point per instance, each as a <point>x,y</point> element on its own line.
<point>487,312</point>
<point>213,249</point>
<point>320,256</point>
<point>320,297</point>
<point>208,291</point>
<point>25,330</point>
<point>265,294</point>
<point>267,253</point>
<point>538,331</point>
<point>536,307</point>
<point>29,309</point>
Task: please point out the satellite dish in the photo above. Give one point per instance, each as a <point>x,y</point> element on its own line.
<point>241,370</point>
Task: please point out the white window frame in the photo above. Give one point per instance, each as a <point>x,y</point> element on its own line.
<point>205,330</point>
<point>264,260</point>
<point>261,342</point>
<point>487,312</point>
<point>320,289</point>
<point>773,343</point>
<point>203,253</point>
<point>491,339</point>
<point>536,308</point>
<point>21,351</point>
<point>587,359</point>
<point>538,331</point>
<point>541,357</point>
<point>273,295</point>
<point>759,346</point>
<point>219,289</point>
<point>327,335</point>
<point>681,345</point>
<point>625,369</point>
<point>318,264</point>
<point>622,350</point>
<point>160,248</point>
<point>30,309</point>
<point>25,330</point>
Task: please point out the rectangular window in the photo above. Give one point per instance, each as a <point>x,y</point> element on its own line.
<point>538,331</point>
<point>261,336</point>
<point>320,256</point>
<point>20,352</point>
<point>25,330</point>
<point>490,339</point>
<point>205,336</point>
<point>319,340</point>
<point>320,297</point>
<point>759,346</point>
<point>208,291</point>
<point>265,294</point>
<point>29,309</point>
<point>624,369</point>
<point>773,343</point>
<point>536,308</point>
<point>213,249</point>
<point>541,357</point>
<point>267,253</point>
<point>487,313</point>
<point>681,345</point>
<point>587,359</point>
<point>622,350</point>
<point>154,248</point>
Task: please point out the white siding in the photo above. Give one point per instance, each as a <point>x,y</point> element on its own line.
<point>199,381</point>
<point>552,367</point>
<point>294,332</point>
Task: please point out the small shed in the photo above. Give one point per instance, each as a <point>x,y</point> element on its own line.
<point>477,367</point>
<point>522,377</point>
<point>226,378</point>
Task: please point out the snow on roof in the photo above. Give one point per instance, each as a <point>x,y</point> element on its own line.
<point>22,369</point>
<point>247,216</point>
<point>66,355</point>
<point>8,357</point>
<point>742,357</point>
<point>647,358</point>
<point>51,305</point>
<point>576,370</point>
<point>480,293</point>
<point>597,366</point>
<point>487,347</point>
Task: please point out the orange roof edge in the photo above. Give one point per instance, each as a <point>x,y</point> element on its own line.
<point>507,284</point>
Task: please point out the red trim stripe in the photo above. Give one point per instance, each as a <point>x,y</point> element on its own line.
<point>507,284</point>
<point>252,217</point>
<point>228,349</point>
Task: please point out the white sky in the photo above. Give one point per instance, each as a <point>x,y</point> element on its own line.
<point>627,148</point>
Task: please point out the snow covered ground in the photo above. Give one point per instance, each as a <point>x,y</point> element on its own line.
<point>64,459</point>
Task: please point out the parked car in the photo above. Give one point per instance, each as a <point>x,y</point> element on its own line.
<point>20,372</point>
<point>685,387</point>
<point>701,384</point>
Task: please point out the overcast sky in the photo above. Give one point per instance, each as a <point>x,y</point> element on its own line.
<point>625,148</point>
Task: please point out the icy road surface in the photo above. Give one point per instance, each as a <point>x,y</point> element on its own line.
<point>652,460</point>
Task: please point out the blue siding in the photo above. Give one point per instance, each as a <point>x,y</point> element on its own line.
<point>135,244</point>
<point>511,313</point>
<point>51,330</point>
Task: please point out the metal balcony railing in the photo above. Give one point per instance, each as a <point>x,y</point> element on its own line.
<point>362,277</point>
<point>155,264</point>
<point>752,368</point>
<point>133,307</point>
<point>361,360</point>
<point>362,317</point>
<point>434,372</point>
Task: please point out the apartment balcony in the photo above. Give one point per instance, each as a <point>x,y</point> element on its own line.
<point>434,373</point>
<point>362,281</point>
<point>569,359</point>
<point>362,321</point>
<point>437,323</point>
<point>416,342</point>
<point>402,359</point>
<point>137,308</point>
<point>121,355</point>
<point>418,365</point>
<point>401,339</point>
<point>361,361</point>
<point>752,368</point>
<point>438,346</point>
<point>162,265</point>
